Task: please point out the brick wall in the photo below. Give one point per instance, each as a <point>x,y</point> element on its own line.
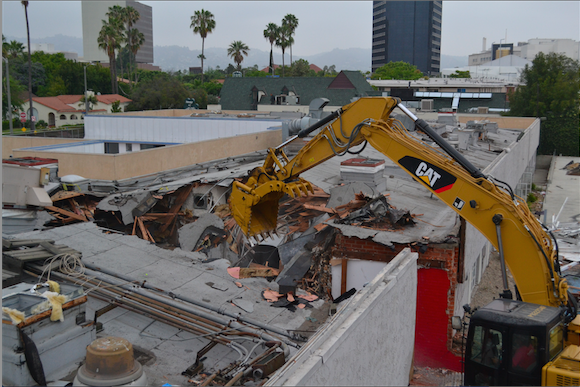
<point>437,280</point>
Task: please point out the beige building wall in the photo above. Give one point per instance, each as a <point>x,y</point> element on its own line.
<point>128,165</point>
<point>10,143</point>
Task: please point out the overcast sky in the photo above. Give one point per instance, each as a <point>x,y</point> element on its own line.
<point>323,25</point>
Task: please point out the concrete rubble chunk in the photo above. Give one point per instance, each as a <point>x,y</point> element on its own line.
<point>190,233</point>
<point>126,203</point>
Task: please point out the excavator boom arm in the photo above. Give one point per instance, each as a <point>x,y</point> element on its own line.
<point>493,210</point>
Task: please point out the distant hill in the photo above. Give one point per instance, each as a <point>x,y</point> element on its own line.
<point>61,42</point>
<point>181,58</point>
<point>173,58</point>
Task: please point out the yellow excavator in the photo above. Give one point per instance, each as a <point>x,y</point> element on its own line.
<point>531,340</point>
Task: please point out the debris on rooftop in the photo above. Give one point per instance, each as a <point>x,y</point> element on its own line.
<point>572,168</point>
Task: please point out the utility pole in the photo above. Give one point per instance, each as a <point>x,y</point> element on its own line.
<point>8,93</point>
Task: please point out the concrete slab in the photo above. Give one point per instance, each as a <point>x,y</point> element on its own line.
<point>562,187</point>
<point>123,259</point>
<point>166,275</point>
<point>90,243</point>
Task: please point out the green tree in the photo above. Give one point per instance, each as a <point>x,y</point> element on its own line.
<point>19,69</point>
<point>300,68</point>
<point>159,92</point>
<point>551,90</point>
<point>109,40</point>
<point>237,50</point>
<point>203,23</point>
<point>115,107</point>
<point>25,5</point>
<point>291,23</point>
<point>397,70</point>
<point>16,88</point>
<point>271,34</point>
<point>460,74</point>
<point>200,96</point>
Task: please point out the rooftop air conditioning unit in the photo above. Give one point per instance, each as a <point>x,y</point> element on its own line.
<point>427,105</point>
<point>482,110</point>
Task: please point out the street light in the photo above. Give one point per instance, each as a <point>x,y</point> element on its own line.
<point>8,93</point>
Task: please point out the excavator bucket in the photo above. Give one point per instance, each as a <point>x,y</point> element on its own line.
<point>256,210</point>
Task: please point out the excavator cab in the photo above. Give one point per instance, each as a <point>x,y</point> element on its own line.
<point>510,341</point>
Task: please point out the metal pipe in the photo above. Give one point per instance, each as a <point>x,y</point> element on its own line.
<point>185,307</point>
<point>449,149</point>
<point>322,122</point>
<point>202,304</point>
<point>507,293</point>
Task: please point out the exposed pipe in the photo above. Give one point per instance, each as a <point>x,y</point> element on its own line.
<point>202,304</point>
<point>186,308</point>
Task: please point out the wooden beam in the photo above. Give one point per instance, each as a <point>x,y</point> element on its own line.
<point>67,213</point>
<point>343,267</point>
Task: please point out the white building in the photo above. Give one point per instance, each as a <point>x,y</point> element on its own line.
<point>526,50</point>
<point>48,48</point>
<point>504,69</point>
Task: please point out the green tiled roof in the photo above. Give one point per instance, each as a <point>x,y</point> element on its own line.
<point>238,93</point>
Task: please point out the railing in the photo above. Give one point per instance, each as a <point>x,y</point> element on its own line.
<point>66,132</point>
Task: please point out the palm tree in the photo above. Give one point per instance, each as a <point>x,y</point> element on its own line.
<point>25,4</point>
<point>92,102</point>
<point>271,33</point>
<point>131,16</point>
<point>202,23</point>
<point>283,40</point>
<point>237,50</point>
<point>291,22</point>
<point>110,40</point>
<point>117,13</point>
<point>137,39</point>
<point>14,49</point>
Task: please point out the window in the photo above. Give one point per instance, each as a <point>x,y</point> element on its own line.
<point>111,147</point>
<point>73,117</point>
<point>129,147</point>
<point>62,117</point>
<point>524,352</point>
<point>556,341</point>
<point>487,347</point>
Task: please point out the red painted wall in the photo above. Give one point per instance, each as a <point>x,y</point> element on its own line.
<point>432,321</point>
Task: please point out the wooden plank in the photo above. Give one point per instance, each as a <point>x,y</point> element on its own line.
<point>144,232</point>
<point>343,275</point>
<point>67,213</point>
<point>61,195</point>
<point>319,208</point>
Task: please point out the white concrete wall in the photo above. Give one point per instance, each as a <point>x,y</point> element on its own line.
<point>369,341</point>
<point>179,130</point>
<point>509,166</point>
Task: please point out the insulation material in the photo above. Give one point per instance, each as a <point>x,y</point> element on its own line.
<point>56,300</point>
<point>15,315</point>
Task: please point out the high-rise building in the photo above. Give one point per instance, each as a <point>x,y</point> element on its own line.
<point>93,14</point>
<point>408,31</point>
